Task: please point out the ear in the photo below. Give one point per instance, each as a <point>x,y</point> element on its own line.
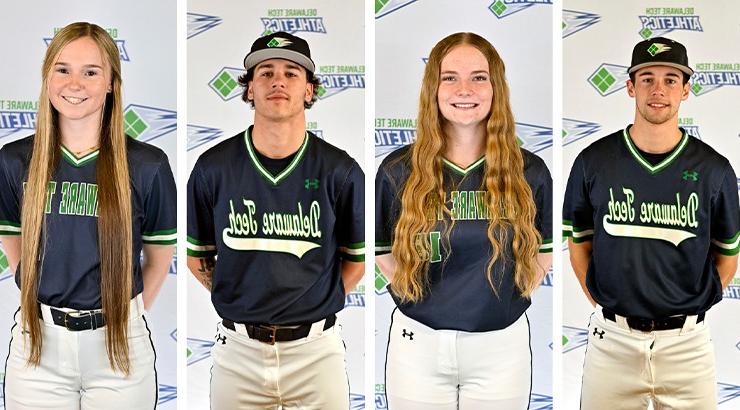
<point>686,88</point>
<point>630,89</point>
<point>309,92</point>
<point>110,88</point>
<point>250,93</point>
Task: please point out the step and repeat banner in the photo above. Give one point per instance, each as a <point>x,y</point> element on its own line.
<point>220,34</point>
<point>148,61</point>
<point>521,31</point>
<point>598,38</point>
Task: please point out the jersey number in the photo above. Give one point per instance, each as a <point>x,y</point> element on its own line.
<point>428,249</point>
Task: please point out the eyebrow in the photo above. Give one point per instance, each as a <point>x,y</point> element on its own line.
<point>84,66</point>
<point>455,72</point>
<point>289,66</point>
<point>671,74</point>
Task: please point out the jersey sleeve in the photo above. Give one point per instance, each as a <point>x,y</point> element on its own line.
<point>201,239</point>
<point>160,223</point>
<point>578,222</point>
<point>726,216</point>
<point>543,202</point>
<point>351,216</point>
<point>10,191</point>
<point>385,217</point>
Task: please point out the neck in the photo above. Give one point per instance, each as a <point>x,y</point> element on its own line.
<point>655,138</point>
<point>80,135</point>
<point>278,139</point>
<point>465,145</point>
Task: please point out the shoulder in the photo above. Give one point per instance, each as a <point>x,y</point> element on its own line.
<point>141,153</point>
<point>328,152</point>
<point>20,148</point>
<point>533,162</point>
<point>604,146</point>
<point>223,152</point>
<point>397,162</point>
<point>699,149</point>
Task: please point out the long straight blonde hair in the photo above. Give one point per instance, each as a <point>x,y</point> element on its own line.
<point>114,202</point>
<point>509,198</point>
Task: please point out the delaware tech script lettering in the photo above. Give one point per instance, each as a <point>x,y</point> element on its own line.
<point>676,214</point>
<point>244,225</point>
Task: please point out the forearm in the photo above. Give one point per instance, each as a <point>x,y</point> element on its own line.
<point>202,268</point>
<point>157,260</point>
<point>544,262</point>
<point>726,267</point>
<point>11,245</point>
<point>352,272</point>
<point>580,255</point>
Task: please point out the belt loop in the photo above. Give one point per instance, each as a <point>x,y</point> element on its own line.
<point>622,322</point>
<point>46,313</point>
<point>689,324</point>
<point>317,328</point>
<point>241,329</point>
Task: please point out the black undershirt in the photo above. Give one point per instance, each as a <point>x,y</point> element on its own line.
<point>274,165</point>
<point>653,159</point>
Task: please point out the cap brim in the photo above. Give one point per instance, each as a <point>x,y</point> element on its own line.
<point>683,68</point>
<point>252,59</point>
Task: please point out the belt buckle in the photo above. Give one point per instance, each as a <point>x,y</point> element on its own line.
<point>78,315</point>
<point>272,329</point>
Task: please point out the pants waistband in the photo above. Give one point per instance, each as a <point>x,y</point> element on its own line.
<point>271,334</point>
<point>650,325</point>
<point>76,319</point>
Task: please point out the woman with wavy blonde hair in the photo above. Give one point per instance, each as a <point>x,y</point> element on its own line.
<point>463,233</point>
<point>80,202</point>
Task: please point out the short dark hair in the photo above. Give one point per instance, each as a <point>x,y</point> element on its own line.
<point>244,80</point>
<point>686,77</point>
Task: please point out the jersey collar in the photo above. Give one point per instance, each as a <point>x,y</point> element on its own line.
<point>654,169</point>
<point>461,170</point>
<point>78,162</point>
<point>274,179</point>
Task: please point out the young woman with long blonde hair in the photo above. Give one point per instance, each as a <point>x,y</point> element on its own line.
<point>80,202</point>
<point>463,232</point>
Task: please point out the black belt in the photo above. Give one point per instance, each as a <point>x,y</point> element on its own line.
<point>75,321</point>
<point>648,325</point>
<point>275,333</point>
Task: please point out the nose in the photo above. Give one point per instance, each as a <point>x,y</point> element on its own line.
<point>658,88</point>
<point>74,82</point>
<point>464,88</point>
<point>278,80</point>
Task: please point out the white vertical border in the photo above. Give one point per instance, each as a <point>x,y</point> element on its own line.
<point>181,180</point>
<point>557,202</point>
<point>369,156</point>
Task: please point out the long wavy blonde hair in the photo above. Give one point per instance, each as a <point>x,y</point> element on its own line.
<point>114,202</point>
<point>509,200</point>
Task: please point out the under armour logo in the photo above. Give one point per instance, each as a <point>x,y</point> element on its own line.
<point>220,338</point>
<point>600,334</point>
<point>689,175</point>
<point>311,183</point>
<point>409,334</point>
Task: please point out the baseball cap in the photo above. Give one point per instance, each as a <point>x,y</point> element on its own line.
<point>280,45</point>
<point>660,51</point>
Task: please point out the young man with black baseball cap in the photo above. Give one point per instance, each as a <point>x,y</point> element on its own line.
<point>652,216</point>
<point>283,212</point>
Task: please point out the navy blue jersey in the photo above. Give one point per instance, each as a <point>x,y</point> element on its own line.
<point>653,227</point>
<point>70,270</point>
<point>460,297</point>
<point>279,239</point>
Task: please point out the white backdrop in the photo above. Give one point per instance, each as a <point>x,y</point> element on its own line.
<point>220,33</point>
<point>599,37</point>
<point>521,31</point>
<point>148,63</point>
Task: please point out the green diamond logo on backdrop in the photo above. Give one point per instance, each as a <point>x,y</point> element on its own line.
<point>224,83</point>
<point>602,80</point>
<point>565,133</point>
<point>498,8</point>
<point>565,340</point>
<point>321,91</point>
<point>646,33</point>
<point>696,88</point>
<point>379,4</point>
<point>380,280</point>
<point>134,125</point>
<point>3,262</point>
<point>653,49</point>
<point>188,353</point>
